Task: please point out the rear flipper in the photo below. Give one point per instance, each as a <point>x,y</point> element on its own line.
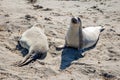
<point>31,57</point>
<point>25,63</point>
<point>28,58</point>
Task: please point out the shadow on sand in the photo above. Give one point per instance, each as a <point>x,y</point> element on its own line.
<point>71,54</point>
<point>23,51</point>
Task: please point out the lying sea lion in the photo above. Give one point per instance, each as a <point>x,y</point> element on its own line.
<point>35,41</point>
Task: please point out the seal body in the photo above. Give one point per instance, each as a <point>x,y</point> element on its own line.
<point>91,36</point>
<point>35,41</point>
<point>78,37</point>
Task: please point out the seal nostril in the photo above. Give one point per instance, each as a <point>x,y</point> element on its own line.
<point>74,20</point>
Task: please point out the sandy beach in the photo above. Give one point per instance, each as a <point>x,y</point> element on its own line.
<point>100,63</point>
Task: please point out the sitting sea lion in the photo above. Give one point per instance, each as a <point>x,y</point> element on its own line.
<point>81,38</point>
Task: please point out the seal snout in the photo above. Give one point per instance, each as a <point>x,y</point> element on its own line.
<point>75,20</point>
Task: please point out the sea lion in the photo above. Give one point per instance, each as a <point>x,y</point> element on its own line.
<point>35,41</point>
<point>81,38</point>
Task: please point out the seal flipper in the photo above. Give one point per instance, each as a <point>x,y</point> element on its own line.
<point>32,57</point>
<point>24,61</point>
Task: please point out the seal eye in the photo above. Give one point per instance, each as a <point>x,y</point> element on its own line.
<point>74,20</point>
<point>79,19</point>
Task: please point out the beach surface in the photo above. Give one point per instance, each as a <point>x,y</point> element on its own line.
<point>99,63</point>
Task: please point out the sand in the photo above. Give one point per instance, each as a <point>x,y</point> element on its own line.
<point>100,63</point>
